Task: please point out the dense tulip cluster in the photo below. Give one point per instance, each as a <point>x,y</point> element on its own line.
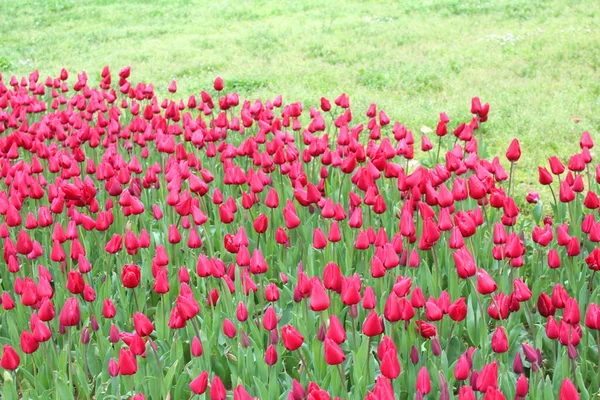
<point>255,249</point>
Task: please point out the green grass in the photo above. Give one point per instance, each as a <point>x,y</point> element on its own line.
<point>536,62</point>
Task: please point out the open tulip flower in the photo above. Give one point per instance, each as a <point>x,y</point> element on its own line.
<point>160,246</point>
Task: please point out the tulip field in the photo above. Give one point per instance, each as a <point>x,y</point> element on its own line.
<point>168,245</point>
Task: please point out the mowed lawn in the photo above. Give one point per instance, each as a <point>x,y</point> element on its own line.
<point>536,62</point>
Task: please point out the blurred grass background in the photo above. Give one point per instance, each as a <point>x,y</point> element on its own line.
<point>536,62</point>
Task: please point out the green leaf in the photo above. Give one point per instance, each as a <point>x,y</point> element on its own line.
<point>9,390</point>
<point>63,390</point>
<point>264,393</point>
<point>168,382</point>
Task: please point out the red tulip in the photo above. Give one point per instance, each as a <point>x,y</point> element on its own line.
<point>334,355</point>
<point>499,341</point>
<point>70,314</point>
<point>485,283</point>
<point>130,276</point>
<point>28,343</point>
<point>200,383</point>
<point>336,331</point>
<point>229,329</point>
<point>423,381</point>
<point>319,300</point>
<point>372,325</point>
<point>217,389</point>
<point>271,355</point>
<point>142,324</point>
<point>10,359</point>
<point>127,362</point>
<point>514,151</point>
<point>196,347</point>
<point>568,390</point>
<point>390,366</point>
<point>462,369</point>
<point>292,338</point>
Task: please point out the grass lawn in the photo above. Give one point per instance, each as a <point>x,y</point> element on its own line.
<point>536,62</point>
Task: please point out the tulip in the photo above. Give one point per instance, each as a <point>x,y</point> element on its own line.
<point>334,355</point>
<point>423,384</point>
<point>292,339</point>
<point>10,359</point>
<point>130,276</point>
<point>217,389</point>
<point>127,362</point>
<point>271,355</point>
<point>70,314</point>
<point>568,390</point>
<point>200,383</point>
<point>499,341</point>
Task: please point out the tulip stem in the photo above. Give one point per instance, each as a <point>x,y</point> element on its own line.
<point>354,333</point>
<point>598,343</point>
<point>449,337</point>
<point>589,291</point>
<point>554,196</point>
<point>512,164</point>
<point>306,367</point>
<point>368,356</point>
<point>160,369</point>
<point>18,381</point>
<point>343,379</point>
<point>480,305</point>
<point>69,354</point>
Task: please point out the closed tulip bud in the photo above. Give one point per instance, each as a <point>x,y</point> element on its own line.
<point>499,341</point>
<point>241,312</point>
<point>142,324</point>
<point>245,339</point>
<point>466,393</point>
<point>423,381</point>
<point>85,335</point>
<point>113,336</point>
<point>218,84</point>
<point>544,176</point>
<point>271,355</point>
<point>488,377</point>
<point>199,385</point>
<point>196,347</point>
<point>568,390</point>
<point>334,355</point>
<point>336,331</point>
<point>261,223</point>
<point>514,151</point>
<point>70,314</point>
<point>28,343</point>
<point>270,319</point>
<point>485,283</point>
<point>228,328</point>
<point>217,389</point>
<point>239,393</point>
<point>414,355</point>
<point>390,366</point>
<point>518,364</point>
<point>292,338</point>
<point>127,362</point>
<point>462,368</point>
<point>113,368</point>
<point>10,359</point>
<point>373,326</point>
<point>319,300</point>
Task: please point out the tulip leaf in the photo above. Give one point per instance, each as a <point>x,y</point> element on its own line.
<point>63,390</point>
<point>9,389</point>
<point>168,381</point>
<point>264,393</point>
